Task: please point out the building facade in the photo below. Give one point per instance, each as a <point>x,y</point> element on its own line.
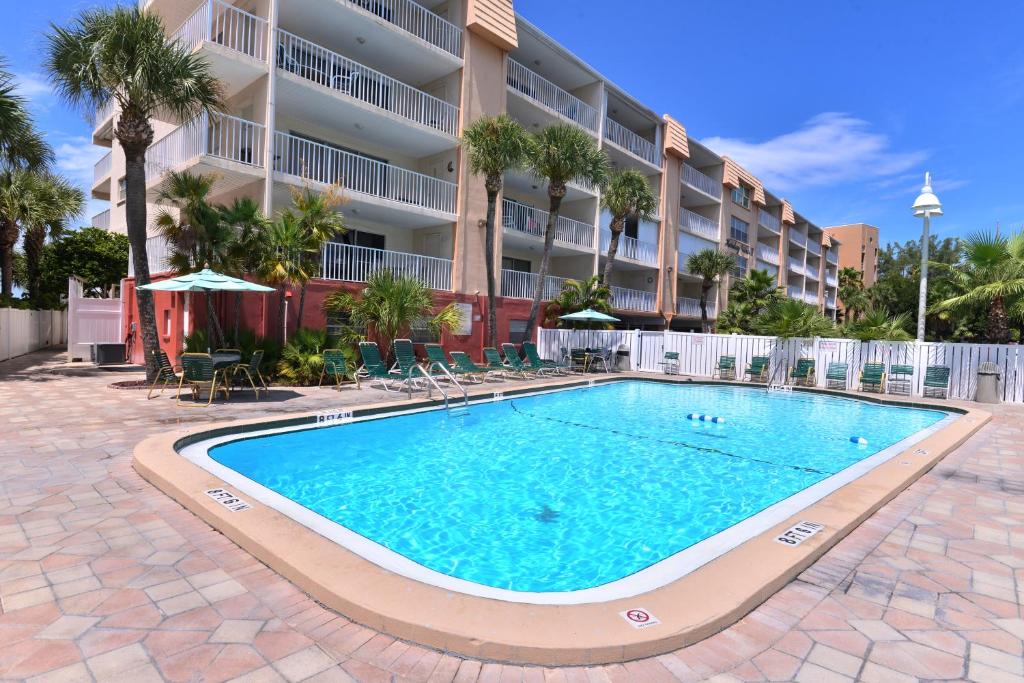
<point>373,96</point>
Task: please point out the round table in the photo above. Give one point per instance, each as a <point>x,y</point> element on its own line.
<point>225,360</point>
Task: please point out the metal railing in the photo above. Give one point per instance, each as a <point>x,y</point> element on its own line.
<point>796,265</point>
<point>831,280</point>
<point>105,112</point>
<point>219,22</point>
<point>631,142</point>
<point>631,248</point>
<point>811,271</point>
<point>768,254</point>
<point>526,219</point>
<point>356,173</point>
<point>691,307</point>
<point>769,221</point>
<point>831,256</point>
<point>814,247</point>
<point>216,135</point>
<point>350,263</point>
<point>101,220</point>
<point>699,225</point>
<point>519,285</point>
<point>158,253</point>
<point>334,71</point>
<point>102,168</point>
<point>797,237</point>
<point>811,297</point>
<point>415,19</point>
<point>701,182</point>
<point>632,299</point>
<point>830,302</point>
<point>795,292</point>
<point>543,91</point>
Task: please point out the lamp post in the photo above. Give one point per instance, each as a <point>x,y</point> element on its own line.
<point>926,205</point>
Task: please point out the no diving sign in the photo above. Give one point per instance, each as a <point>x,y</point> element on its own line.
<point>639,618</point>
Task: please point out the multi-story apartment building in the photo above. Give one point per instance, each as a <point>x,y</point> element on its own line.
<point>858,249</point>
<point>373,95</point>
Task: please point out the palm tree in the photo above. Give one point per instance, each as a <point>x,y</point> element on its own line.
<point>851,292</point>
<point>494,144</point>
<point>789,318</point>
<point>877,323</point>
<point>320,223</point>
<point>388,307</point>
<point>991,274</point>
<point>627,195</point>
<point>758,290</point>
<point>122,54</point>
<point>248,250</point>
<point>559,154</point>
<point>56,200</point>
<point>710,265</point>
<point>737,318</point>
<point>285,256</point>
<point>579,295</point>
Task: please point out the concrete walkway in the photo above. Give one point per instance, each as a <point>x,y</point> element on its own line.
<point>104,578</point>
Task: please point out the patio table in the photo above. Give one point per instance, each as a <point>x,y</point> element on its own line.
<point>222,361</point>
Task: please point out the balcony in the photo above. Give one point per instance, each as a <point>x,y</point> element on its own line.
<point>690,308</point>
<point>101,177</point>
<point>768,221</point>
<point>415,19</point>
<point>830,302</point>
<point>626,139</point>
<point>768,254</point>
<point>814,247</point>
<point>101,220</point>
<point>796,266</point>
<point>543,92</point>
<point>811,271</point>
<point>630,248</point>
<point>811,298</point>
<point>832,256</point>
<point>230,32</point>
<point>516,284</point>
<point>702,183</point>
<point>350,263</point>
<point>103,124</point>
<point>519,218</point>
<point>158,253</point>
<point>361,88</point>
<point>831,280</point>
<point>362,177</point>
<point>797,238</point>
<point>699,225</point>
<point>627,299</point>
<point>795,292</point>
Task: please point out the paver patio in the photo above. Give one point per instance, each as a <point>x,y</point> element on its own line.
<point>104,578</point>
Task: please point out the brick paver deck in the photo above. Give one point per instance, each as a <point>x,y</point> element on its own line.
<point>104,578</point>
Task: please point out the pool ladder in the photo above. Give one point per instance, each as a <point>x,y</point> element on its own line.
<point>431,382</point>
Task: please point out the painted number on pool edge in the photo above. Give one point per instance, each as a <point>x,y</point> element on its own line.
<point>798,533</point>
<point>228,500</point>
<point>639,618</point>
<point>331,417</point>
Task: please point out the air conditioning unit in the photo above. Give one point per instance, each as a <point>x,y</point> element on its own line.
<point>108,353</point>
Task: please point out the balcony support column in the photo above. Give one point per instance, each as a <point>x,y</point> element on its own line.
<point>671,217</point>
<point>270,117</point>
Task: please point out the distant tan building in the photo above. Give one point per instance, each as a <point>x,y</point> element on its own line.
<point>858,248</point>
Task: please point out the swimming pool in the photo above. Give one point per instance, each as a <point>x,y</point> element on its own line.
<point>569,496</point>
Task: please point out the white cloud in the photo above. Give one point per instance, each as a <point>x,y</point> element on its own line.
<point>35,88</point>
<point>74,158</point>
<point>830,148</point>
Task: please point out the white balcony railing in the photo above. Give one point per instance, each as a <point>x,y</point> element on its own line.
<point>830,302</point>
<point>768,254</point>
<point>795,292</point>
<point>519,285</point>
<point>105,112</point>
<point>690,308</point>
<point>356,173</point>
<point>811,298</point>
<point>631,142</point>
<point>415,19</point>
<point>767,220</point>
<point>526,219</point>
<point>356,264</point>
<point>832,256</point>
<point>701,182</point>
<point>831,280</point>
<point>699,225</point>
<point>215,135</point>
<point>219,22</point>
<point>796,266</point>
<point>101,220</point>
<point>632,299</point>
<point>336,72</point>
<point>102,168</point>
<point>811,271</point>
<point>158,253</point>
<point>797,237</point>
<point>543,91</point>
<point>631,248</point>
<point>814,247</point>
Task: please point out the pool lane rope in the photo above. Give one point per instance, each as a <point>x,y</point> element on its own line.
<point>683,444</point>
<point>706,418</point>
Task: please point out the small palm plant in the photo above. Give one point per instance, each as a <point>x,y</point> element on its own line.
<point>851,292</point>
<point>878,324</point>
<point>627,194</point>
<point>710,265</point>
<point>789,319</point>
<point>758,290</point>
<point>285,257</point>
<point>560,154</point>
<point>320,221</point>
<point>495,144</point>
<point>579,295</point>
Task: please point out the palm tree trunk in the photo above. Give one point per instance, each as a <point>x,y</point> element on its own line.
<point>280,315</point>
<point>492,301</point>
<point>35,238</point>
<point>302,305</point>
<point>238,316</point>
<point>705,287</point>
<point>135,214</point>
<point>545,263</point>
<point>616,227</point>
<point>8,237</point>
<point>213,330</point>
<point>998,330</point>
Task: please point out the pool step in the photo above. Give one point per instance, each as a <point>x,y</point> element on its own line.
<point>458,412</point>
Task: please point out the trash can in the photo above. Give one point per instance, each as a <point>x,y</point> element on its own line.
<point>622,358</point>
<point>988,383</point>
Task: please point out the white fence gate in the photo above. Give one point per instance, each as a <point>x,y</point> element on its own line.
<point>90,321</point>
<point>24,331</point>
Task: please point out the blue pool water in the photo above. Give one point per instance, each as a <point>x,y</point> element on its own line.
<point>570,490</point>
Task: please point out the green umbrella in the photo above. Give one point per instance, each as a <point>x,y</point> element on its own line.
<point>589,315</point>
<point>205,280</point>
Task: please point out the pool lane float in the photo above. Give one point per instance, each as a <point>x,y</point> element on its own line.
<point>859,440</point>
<point>706,418</point>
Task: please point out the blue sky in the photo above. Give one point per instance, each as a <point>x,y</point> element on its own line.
<point>838,106</point>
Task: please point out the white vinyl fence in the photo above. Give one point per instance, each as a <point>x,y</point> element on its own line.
<point>699,355</point>
<point>90,321</point>
<point>22,331</point>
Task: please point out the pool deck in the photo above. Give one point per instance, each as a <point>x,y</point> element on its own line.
<point>102,577</point>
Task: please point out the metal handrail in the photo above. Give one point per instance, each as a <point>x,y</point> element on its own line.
<point>451,378</point>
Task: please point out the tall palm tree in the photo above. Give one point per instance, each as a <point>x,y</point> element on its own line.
<point>851,292</point>
<point>757,290</point>
<point>789,318</point>
<point>494,145</point>
<point>285,256</point>
<point>560,154</point>
<point>320,223</point>
<point>56,201</point>
<point>877,323</point>
<point>627,195</point>
<point>16,205</point>
<point>991,273</point>
<point>248,250</point>
<point>710,265</point>
<point>122,54</point>
<point>579,295</point>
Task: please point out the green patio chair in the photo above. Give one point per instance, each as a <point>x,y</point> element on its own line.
<point>900,379</point>
<point>251,371</point>
<point>335,367</point>
<point>726,368</point>
<point>936,381</point>
<point>166,373</point>
<point>803,373</point>
<point>406,367</point>
<point>538,364</point>
<point>578,360</point>
<point>757,371</point>
<point>670,362</point>
<point>872,377</point>
<point>436,359</point>
<point>198,373</point>
<point>374,368</point>
<point>495,363</point>
<point>837,375</point>
<point>513,360</point>
<point>465,365</point>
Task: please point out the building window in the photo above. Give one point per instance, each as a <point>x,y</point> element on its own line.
<point>517,331</point>
<point>122,186</point>
<point>741,196</point>
<point>632,228</point>
<point>339,323</point>
<point>520,265</point>
<point>738,229</point>
<point>740,269</point>
<point>420,332</point>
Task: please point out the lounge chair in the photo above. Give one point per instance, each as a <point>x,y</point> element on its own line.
<point>670,362</point>
<point>872,377</point>
<point>335,367</point>
<point>406,367</point>
<point>726,368</point>
<point>465,365</point>
<point>436,359</point>
<point>375,369</point>
<point>538,364</point>
<point>757,371</point>
<point>513,360</point>
<point>837,375</point>
<point>198,372</point>
<point>900,380</point>
<point>166,373</point>
<point>803,373</point>
<point>936,381</point>
<point>496,364</point>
